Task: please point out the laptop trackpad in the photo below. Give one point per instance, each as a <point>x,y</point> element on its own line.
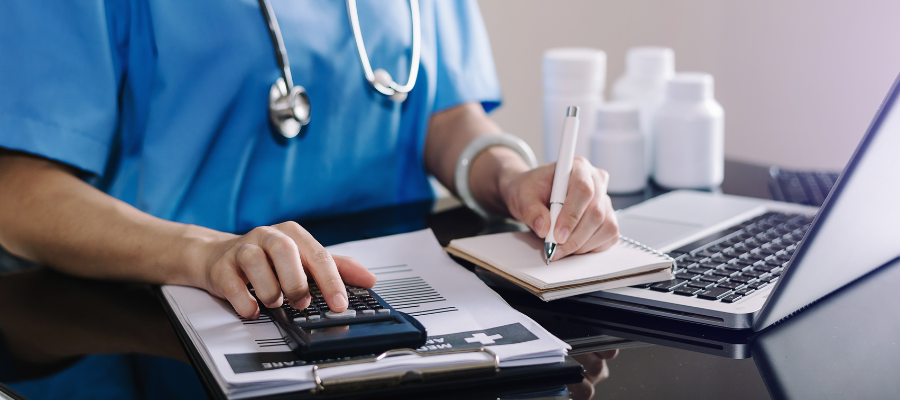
<point>654,232</point>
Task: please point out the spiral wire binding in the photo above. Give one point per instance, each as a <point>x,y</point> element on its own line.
<point>649,249</point>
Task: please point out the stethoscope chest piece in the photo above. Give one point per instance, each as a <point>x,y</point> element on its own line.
<point>288,111</point>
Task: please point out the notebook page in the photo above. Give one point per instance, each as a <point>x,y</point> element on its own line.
<point>519,254</point>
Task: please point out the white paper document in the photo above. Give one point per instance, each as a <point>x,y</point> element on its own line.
<point>415,276</point>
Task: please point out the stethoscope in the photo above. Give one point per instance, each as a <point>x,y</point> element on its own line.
<point>289,106</point>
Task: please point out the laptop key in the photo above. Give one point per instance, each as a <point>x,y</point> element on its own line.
<point>731,298</point>
<point>735,267</point>
<point>723,273</point>
<point>757,285</point>
<point>720,258</point>
<point>713,293</point>
<point>642,286</point>
<point>685,276</point>
<point>730,285</point>
<point>753,273</point>
<point>757,257</point>
<point>691,259</point>
<point>698,270</point>
<point>741,279</point>
<point>687,291</point>
<point>700,284</point>
<point>745,263</point>
<point>707,253</point>
<point>712,278</point>
<point>667,286</point>
<point>767,267</point>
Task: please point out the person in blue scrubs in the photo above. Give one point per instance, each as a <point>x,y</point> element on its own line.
<point>135,142</point>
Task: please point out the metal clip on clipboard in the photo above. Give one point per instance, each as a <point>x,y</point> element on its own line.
<point>399,378</point>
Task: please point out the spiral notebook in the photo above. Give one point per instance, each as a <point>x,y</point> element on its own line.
<point>516,256</point>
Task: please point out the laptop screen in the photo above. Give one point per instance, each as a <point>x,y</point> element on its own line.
<point>857,229</point>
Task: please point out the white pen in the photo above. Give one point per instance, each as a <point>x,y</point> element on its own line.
<point>561,176</point>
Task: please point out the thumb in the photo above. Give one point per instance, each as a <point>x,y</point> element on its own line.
<point>537,217</point>
<point>354,273</point>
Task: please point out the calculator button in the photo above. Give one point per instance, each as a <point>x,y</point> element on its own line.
<point>345,314</point>
<point>300,319</point>
<point>313,318</point>
<point>368,312</point>
<point>384,311</point>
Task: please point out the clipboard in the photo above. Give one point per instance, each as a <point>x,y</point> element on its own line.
<point>477,378</point>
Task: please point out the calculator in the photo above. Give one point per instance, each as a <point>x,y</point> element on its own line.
<point>368,326</point>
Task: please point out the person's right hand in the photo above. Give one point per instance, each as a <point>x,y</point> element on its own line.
<point>278,259</point>
<point>595,370</point>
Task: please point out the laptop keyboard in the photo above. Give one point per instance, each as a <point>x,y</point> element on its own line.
<point>803,187</point>
<point>735,262</point>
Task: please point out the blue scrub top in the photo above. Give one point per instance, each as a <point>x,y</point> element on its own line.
<point>163,103</point>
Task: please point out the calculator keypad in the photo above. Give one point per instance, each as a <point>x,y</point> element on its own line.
<point>361,304</point>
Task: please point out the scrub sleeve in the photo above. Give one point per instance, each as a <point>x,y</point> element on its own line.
<point>465,68</point>
<point>59,80</point>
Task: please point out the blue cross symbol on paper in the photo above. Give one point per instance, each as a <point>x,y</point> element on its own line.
<point>484,339</point>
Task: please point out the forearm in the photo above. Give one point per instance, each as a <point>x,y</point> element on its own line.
<point>50,216</point>
<point>448,134</point>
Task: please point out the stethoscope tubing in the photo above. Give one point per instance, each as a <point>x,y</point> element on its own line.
<point>281,56</point>
<point>289,105</point>
<point>364,58</point>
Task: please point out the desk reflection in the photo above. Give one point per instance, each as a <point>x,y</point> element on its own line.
<point>63,337</point>
<point>50,320</point>
<point>595,371</point>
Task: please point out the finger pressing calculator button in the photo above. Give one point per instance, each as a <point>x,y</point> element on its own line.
<point>345,314</point>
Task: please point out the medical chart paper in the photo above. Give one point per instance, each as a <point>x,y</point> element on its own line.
<point>250,358</point>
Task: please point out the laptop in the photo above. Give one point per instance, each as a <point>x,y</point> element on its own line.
<point>746,263</point>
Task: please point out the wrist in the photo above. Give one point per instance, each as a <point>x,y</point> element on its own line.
<point>486,165</point>
<point>492,172</point>
<point>197,248</point>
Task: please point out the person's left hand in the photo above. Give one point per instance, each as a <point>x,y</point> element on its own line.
<point>587,222</point>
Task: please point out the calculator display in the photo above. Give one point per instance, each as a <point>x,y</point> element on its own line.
<point>352,325</point>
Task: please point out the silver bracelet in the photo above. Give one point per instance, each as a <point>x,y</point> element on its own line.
<point>472,150</point>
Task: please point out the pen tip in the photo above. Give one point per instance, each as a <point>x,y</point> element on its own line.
<point>549,249</point>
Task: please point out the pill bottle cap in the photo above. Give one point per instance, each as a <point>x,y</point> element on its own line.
<point>690,86</point>
<point>574,68</point>
<point>650,61</point>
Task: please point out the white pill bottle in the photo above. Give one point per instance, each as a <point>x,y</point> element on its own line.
<point>572,76</point>
<point>647,71</point>
<point>618,146</point>
<point>689,134</point>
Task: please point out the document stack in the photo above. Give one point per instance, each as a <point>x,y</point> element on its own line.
<point>467,323</point>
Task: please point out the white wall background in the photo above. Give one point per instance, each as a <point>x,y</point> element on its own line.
<point>800,80</point>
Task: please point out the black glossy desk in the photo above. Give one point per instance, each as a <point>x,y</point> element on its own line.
<point>67,338</point>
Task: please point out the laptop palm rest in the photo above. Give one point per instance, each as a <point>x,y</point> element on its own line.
<point>674,216</point>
